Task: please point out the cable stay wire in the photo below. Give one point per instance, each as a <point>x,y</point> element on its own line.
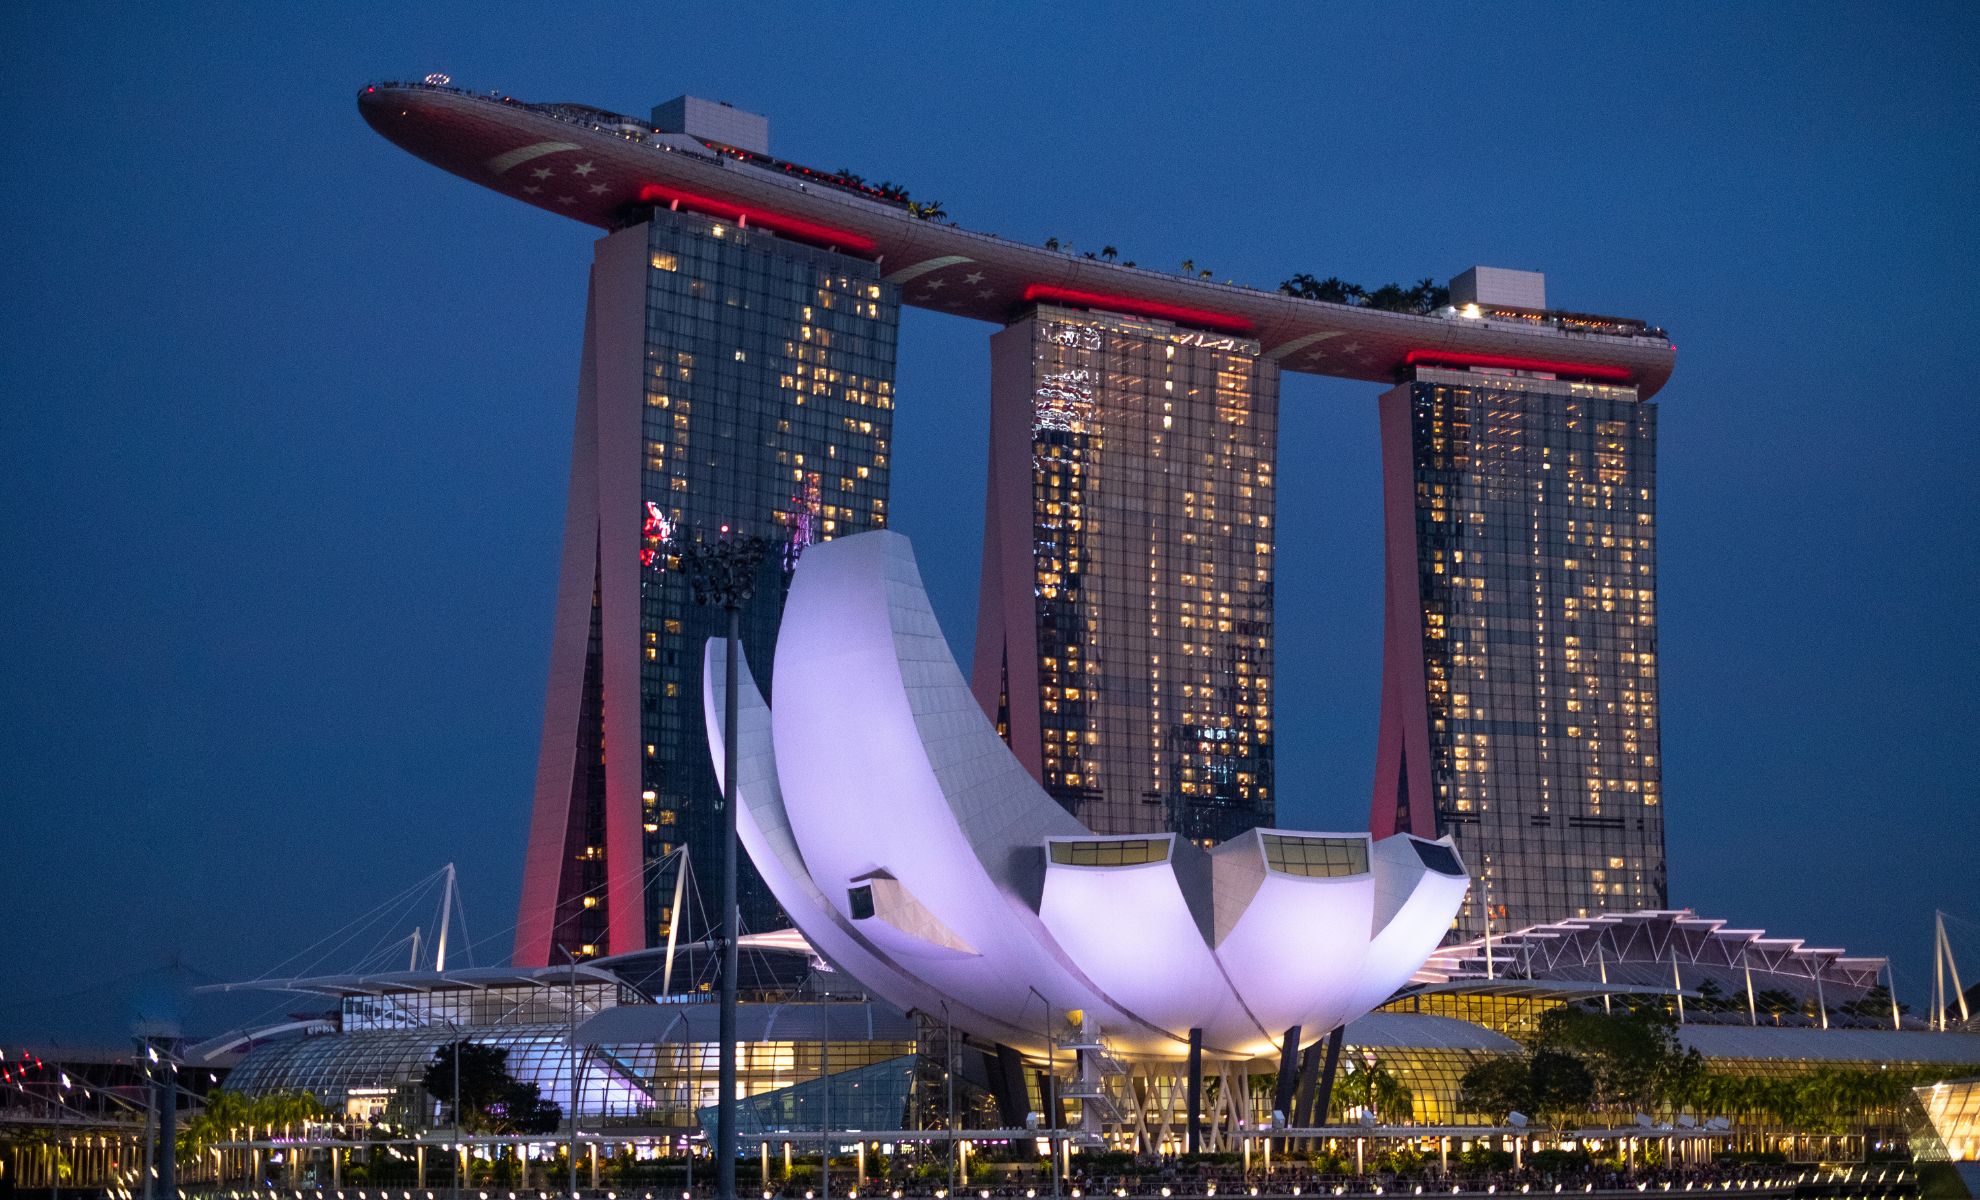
<point>350,930</point>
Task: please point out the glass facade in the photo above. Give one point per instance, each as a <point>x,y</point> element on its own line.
<point>660,1083</point>
<point>873,1096</point>
<point>1147,458</point>
<point>768,408</point>
<point>1533,522</point>
<point>481,1007</point>
<point>1950,1129</point>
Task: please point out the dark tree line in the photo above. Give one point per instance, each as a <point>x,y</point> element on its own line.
<point>1582,1062</point>
<point>1425,296</point>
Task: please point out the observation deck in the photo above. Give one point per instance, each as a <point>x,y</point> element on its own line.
<point>605,169</point>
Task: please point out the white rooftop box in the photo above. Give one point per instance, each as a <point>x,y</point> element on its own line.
<point>1500,287</point>
<point>715,121</point>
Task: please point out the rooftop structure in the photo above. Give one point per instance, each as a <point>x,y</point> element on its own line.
<point>714,121</point>
<point>1499,287</point>
<point>605,168</point>
<point>1667,949</point>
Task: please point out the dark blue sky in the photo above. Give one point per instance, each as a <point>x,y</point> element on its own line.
<point>286,411</point>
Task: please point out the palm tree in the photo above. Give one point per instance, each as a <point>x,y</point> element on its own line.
<point>226,1114</point>
<point>287,1110</point>
<point>1189,266</point>
<point>1051,243</point>
<point>1376,1090</point>
<point>1333,289</point>
<point>1109,253</point>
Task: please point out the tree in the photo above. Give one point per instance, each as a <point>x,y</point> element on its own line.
<point>1376,1090</point>
<point>1333,289</point>
<point>1873,1006</point>
<point>223,1116</point>
<point>1496,1088</point>
<point>1391,298</point>
<point>1630,1054</point>
<point>1558,1086</point>
<point>1426,297</point>
<point>931,211</point>
<point>1776,1003</point>
<point>522,1109</point>
<point>1549,1084</point>
<point>286,1110</point>
<point>1051,243</point>
<point>1109,253</point>
<point>1713,999</point>
<point>491,1099</point>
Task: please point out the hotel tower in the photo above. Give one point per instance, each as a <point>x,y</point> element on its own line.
<point>731,378</point>
<point>1519,691</point>
<point>1124,636</point>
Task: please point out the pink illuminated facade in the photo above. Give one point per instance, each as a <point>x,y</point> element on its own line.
<point>585,838</point>
<point>729,378</point>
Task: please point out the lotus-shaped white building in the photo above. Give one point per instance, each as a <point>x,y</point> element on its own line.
<point>914,851</point>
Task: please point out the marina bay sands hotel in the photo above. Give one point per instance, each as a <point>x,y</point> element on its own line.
<point>738,370</point>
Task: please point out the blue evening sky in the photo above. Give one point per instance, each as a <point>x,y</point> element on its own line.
<point>284,412</point>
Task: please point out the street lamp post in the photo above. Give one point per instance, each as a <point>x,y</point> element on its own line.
<point>722,572</point>
<point>456,1147</point>
<point>1049,1092</point>
<point>577,1077</point>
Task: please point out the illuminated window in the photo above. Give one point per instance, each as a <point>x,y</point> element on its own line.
<point>1315,857</point>
<point>1130,852</point>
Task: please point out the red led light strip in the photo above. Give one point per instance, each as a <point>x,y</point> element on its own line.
<point>796,227</point>
<point>1220,322</point>
<point>1459,358</point>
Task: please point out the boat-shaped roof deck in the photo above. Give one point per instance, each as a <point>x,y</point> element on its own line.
<point>604,169</point>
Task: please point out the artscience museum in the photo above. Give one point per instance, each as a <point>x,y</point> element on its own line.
<point>914,851</point>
